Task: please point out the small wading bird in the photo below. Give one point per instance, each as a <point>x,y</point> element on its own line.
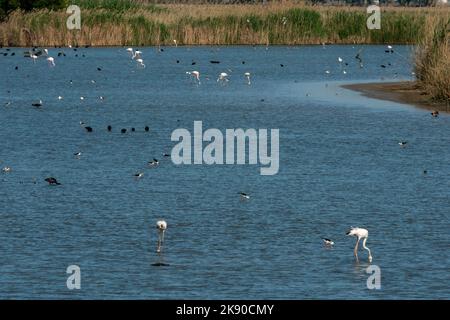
<point>6,169</point>
<point>360,233</point>
<point>161,225</point>
<point>37,103</point>
<point>435,114</point>
<point>244,196</point>
<point>52,181</point>
<point>327,242</point>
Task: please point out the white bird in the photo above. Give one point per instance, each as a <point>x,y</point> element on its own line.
<point>34,57</point>
<point>247,76</point>
<point>360,233</point>
<point>328,242</point>
<point>223,77</point>
<point>175,41</point>
<point>327,71</point>
<point>340,60</point>
<point>46,52</point>
<point>77,154</point>
<point>137,55</point>
<point>130,52</point>
<point>403,143</point>
<point>194,74</point>
<point>60,98</point>
<point>140,63</point>
<point>161,225</point>
<point>81,98</point>
<point>6,169</point>
<point>51,61</point>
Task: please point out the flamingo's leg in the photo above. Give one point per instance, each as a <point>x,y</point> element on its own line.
<point>356,249</point>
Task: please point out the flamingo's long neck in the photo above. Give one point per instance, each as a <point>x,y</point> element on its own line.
<point>364,246</point>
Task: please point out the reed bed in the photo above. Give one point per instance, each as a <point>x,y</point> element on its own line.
<point>128,22</point>
<point>433,59</point>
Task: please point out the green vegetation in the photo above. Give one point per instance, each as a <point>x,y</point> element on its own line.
<point>133,22</point>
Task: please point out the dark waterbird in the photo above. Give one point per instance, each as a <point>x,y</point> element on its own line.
<point>52,181</point>
<point>37,103</point>
<point>160,264</point>
<point>214,61</point>
<point>146,128</point>
<point>123,131</point>
<point>88,129</point>
<point>109,128</point>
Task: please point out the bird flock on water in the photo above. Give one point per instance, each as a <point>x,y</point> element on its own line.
<point>223,78</point>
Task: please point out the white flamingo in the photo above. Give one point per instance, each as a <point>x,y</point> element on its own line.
<point>161,225</point>
<point>247,76</point>
<point>194,74</point>
<point>137,55</point>
<point>140,63</point>
<point>360,233</point>
<point>223,77</point>
<point>130,52</point>
<point>51,61</point>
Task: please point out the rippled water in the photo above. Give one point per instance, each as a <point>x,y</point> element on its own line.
<point>340,166</point>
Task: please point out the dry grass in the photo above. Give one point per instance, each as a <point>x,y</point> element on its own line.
<point>127,22</point>
<point>433,59</point>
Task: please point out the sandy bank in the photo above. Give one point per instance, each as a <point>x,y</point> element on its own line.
<point>403,92</point>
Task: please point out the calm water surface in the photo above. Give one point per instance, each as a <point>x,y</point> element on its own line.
<point>340,166</point>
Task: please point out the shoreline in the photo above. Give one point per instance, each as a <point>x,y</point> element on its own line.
<point>406,92</point>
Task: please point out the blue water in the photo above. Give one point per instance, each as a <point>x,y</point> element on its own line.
<point>340,166</point>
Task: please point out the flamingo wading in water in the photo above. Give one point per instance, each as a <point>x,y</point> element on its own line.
<point>161,225</point>
<point>360,233</point>
<point>195,75</point>
<point>223,78</point>
<point>247,76</point>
